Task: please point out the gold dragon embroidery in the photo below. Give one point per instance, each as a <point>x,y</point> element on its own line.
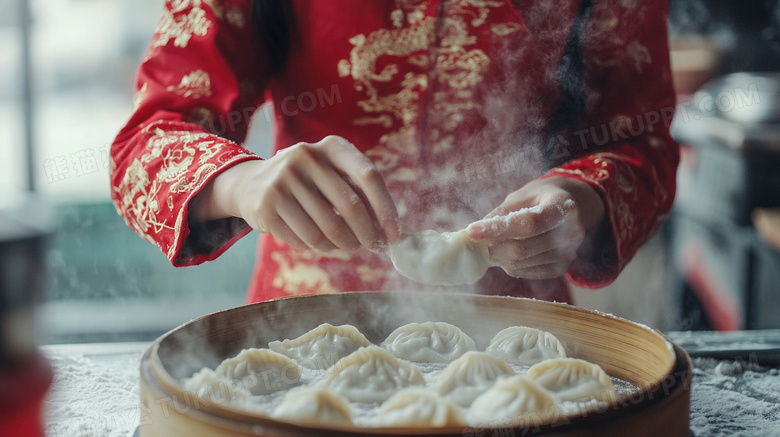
<point>195,85</point>
<point>456,64</point>
<point>179,26</point>
<point>183,19</point>
<point>176,152</point>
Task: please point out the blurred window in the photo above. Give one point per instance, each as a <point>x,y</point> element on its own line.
<point>105,283</point>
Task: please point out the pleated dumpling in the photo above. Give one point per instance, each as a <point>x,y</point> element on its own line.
<point>429,342</point>
<point>513,401</point>
<point>524,346</point>
<point>215,388</point>
<point>573,379</point>
<point>469,376</point>
<point>321,347</point>
<point>314,405</point>
<point>261,371</point>
<point>418,407</point>
<point>440,258</point>
<point>371,374</point>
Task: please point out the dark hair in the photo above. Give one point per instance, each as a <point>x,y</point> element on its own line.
<point>571,75</point>
<point>273,20</point>
<point>571,81</point>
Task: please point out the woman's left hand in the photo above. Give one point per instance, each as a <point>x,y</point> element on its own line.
<point>537,231</point>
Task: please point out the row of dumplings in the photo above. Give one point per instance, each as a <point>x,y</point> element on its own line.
<point>475,388</point>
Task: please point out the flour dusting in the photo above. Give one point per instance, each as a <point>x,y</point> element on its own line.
<point>733,398</point>
<point>501,223</point>
<point>93,396</point>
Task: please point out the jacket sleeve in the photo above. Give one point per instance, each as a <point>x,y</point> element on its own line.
<point>202,78</point>
<point>623,149</point>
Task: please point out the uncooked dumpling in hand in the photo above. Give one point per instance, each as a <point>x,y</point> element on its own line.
<point>440,258</point>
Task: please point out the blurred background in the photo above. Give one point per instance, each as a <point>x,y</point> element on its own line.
<point>78,58</point>
<point>66,88</point>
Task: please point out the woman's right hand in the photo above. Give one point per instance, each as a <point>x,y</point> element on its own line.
<point>326,195</point>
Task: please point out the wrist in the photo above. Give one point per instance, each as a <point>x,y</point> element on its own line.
<point>217,199</point>
<point>589,202</point>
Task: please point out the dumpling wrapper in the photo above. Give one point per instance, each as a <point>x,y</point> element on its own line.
<point>572,379</point>
<point>314,405</point>
<point>323,346</point>
<point>440,258</point>
<point>216,388</point>
<point>524,346</point>
<point>261,371</point>
<point>371,374</point>
<point>418,407</point>
<point>429,342</point>
<point>514,401</point>
<point>471,375</point>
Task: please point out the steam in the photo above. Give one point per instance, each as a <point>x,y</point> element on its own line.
<point>498,151</point>
<point>207,341</point>
<point>506,139</point>
<point>502,144</point>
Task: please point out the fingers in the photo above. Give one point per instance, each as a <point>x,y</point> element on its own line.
<point>304,227</point>
<point>567,234</point>
<point>276,226</point>
<point>543,256</point>
<point>326,196</point>
<point>522,267</point>
<point>522,223</point>
<point>537,231</point>
<point>331,224</point>
<point>534,258</point>
<point>546,271</point>
<point>368,184</point>
<point>354,212</point>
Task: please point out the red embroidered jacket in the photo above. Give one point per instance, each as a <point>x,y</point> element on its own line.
<point>454,100</point>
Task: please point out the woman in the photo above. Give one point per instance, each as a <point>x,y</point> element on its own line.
<point>405,115</point>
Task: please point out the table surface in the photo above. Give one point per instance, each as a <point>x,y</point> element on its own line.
<point>95,389</point>
<point>95,392</point>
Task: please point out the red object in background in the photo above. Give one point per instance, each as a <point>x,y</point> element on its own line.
<point>723,311</point>
<point>25,374</point>
<point>23,388</point>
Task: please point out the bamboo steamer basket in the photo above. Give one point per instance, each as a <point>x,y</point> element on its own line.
<point>622,348</point>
